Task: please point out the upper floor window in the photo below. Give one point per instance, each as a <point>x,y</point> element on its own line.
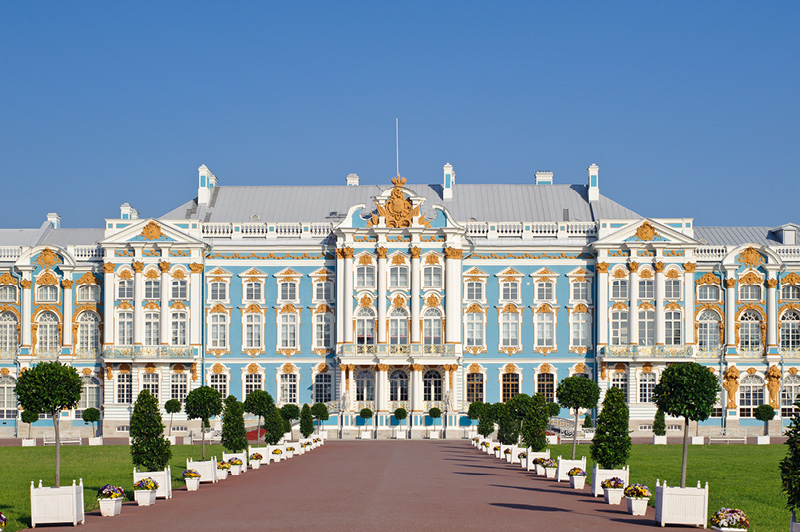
<point>125,328</point>
<point>365,276</point>
<point>365,327</point>
<point>620,380</point>
<point>475,290</point>
<point>152,333</point>
<point>398,277</point>
<point>619,327</point>
<point>509,291</point>
<point>708,331</point>
<point>179,384</point>
<point>8,293</point>
<point>323,291</point>
<point>252,291</point>
<point>152,289</point>
<point>473,324</point>
<point>646,289</point>
<point>432,327</point>
<point>9,338</point>
<point>288,331</point>
<point>672,289</point>
<point>750,331</point>
<point>179,328</point>
<point>581,329</point>
<point>708,292</point>
<point>790,331</point>
<point>253,382</point>
<point>88,292</point>
<point>179,289</point>
<point>647,327</point>
<point>322,330</point>
<point>218,291</point>
<point>432,277</point>
<point>619,289</point>
<point>287,291</point>
<point>398,327</point>
<point>672,328</point>
<point>788,291</point>
<point>750,292</point>
<point>47,293</point>
<point>219,330</point>
<point>88,332</point>
<point>580,290</point>
<point>125,289</point>
<point>509,329</point>
<point>545,325</point>
<point>252,331</point>
<point>47,332</point>
<point>544,291</point>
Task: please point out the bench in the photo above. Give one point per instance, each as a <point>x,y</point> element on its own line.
<point>728,436</point>
<point>66,438</point>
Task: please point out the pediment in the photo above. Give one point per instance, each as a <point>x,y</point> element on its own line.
<point>476,272</point>
<point>644,232</point>
<point>287,272</point>
<point>150,231</point>
<point>253,272</point>
<point>544,272</point>
<point>510,272</point>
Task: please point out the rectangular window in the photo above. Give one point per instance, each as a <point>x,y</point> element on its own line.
<point>219,381</point>
<point>544,291</point>
<point>619,327</point>
<point>252,331</point>
<point>510,386</point>
<point>580,291</point>
<point>750,292</point>
<point>647,327</point>
<point>708,293</point>
<point>322,330</point>
<point>179,386</point>
<point>87,292</point>
<point>432,277</point>
<point>288,388</point>
<point>179,328</point>
<point>475,291</point>
<point>152,289</point>
<point>125,328</point>
<point>8,293</point>
<point>619,289</point>
<point>324,291</point>
<point>545,385</point>
<point>545,330</point>
<point>672,289</point>
<point>125,289</point>
<point>150,382</point>
<point>474,329</point>
<point>580,329</point>
<point>365,277</point>
<point>124,389</point>
<point>252,291</point>
<point>288,331</point>
<point>509,291</point>
<point>474,387</point>
<point>398,277</point>
<point>672,328</point>
<point>288,291</point>
<point>218,292</point>
<point>179,289</point>
<point>252,382</point>
<point>509,332</point>
<point>647,383</point>
<point>646,289</point>
<point>219,331</point>
<point>323,388</point>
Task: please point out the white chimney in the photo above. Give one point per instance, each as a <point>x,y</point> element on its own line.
<point>543,178</point>
<point>352,180</point>
<point>55,219</point>
<point>448,182</point>
<point>126,212</point>
<point>594,182</point>
<point>207,181</point>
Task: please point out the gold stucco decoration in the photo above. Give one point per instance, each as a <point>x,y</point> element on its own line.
<point>773,385</point>
<point>453,253</point>
<point>67,284</point>
<point>792,278</point>
<point>751,257</point>
<point>474,368</point>
<point>633,266</point>
<point>580,367</point>
<point>25,284</point>
<point>415,252</point>
<point>690,267</point>
<point>417,367</point>
<point>381,252</point>
<point>288,368</point>
<point>178,368</point>
<point>398,302</point>
<point>48,258</point>
<point>47,279</point>
<point>730,283</point>
<point>620,367</point>
<point>731,385</point>
<point>432,301</point>
<point>510,368</point>
<point>658,266</point>
<point>398,210</point>
<point>432,259</point>
<point>150,368</point>
<point>7,279</point>
<point>108,267</point>
<point>365,260</point>
<point>398,259</point>
<point>673,274</point>
<point>647,367</point>
<point>793,371</point>
<point>365,302</point>
<point>772,283</point>
<point>137,266</point>
<point>646,231</point>
<point>620,273</point>
<point>218,368</point>
<point>151,231</point>
<point>646,273</point>
<point>750,278</point>
<point>603,374</point>
<point>545,368</point>
<point>602,267</point>
<point>708,279</point>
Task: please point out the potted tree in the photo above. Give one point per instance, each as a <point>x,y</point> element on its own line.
<point>790,468</point>
<point>686,390</point>
<point>150,451</point>
<point>473,413</point>
<point>400,414</point>
<point>587,421</point>
<point>172,407</point>
<point>486,425</point>
<point>659,428</point>
<point>764,413</point>
<point>203,403</point>
<point>533,430</point>
<point>507,426</point>
<point>320,413</point>
<point>366,415</point>
<point>30,417</point>
<point>306,421</point>
<point>273,433</point>
<point>611,446</point>
<point>435,414</point>
<point>234,435</point>
<point>258,403</point>
<point>92,415</point>
<point>290,413</point>
<point>576,393</point>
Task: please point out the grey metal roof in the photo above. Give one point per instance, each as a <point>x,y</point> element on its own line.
<point>19,237</point>
<point>733,236</point>
<point>496,203</point>
<point>74,237</point>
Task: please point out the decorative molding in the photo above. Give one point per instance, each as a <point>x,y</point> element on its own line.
<point>415,252</point>
<point>48,258</point>
<point>453,253</point>
<point>708,279</point>
<point>773,385</point>
<point>474,368</point>
<point>381,251</point>
<point>646,232</point>
<point>365,260</point>
<point>750,257</point>
<point>772,283</point>
<point>690,267</point>
<point>730,283</point>
<point>658,266</point>
<point>510,368</point>
<point>432,301</point>
<point>633,267</point>
<point>432,258</point>
<point>137,266</point>
<point>8,279</point>
<point>620,367</point>
<point>750,278</point>
<point>731,385</point>
<point>151,231</point>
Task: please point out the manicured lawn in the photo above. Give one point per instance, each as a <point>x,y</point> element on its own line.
<point>108,464</point>
<point>738,476</point>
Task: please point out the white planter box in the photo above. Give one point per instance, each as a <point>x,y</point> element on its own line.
<point>288,454</point>
<point>565,465</point>
<point>110,507</point>
<point>323,434</point>
<point>241,456</point>
<point>57,505</point>
<point>529,465</point>
<point>365,434</point>
<point>29,442</point>
<point>698,440</point>
<point>255,464</point>
<point>433,435</point>
<point>659,440</point>
<point>681,506</point>
<point>540,470</point>
<point>577,482</point>
<point>236,470</point>
<point>599,475</point>
<point>552,440</point>
<point>173,440</point>
<point>263,451</point>
<point>612,495</point>
<point>164,479</point>
<point>192,484</point>
<point>207,469</point>
<point>277,457</point>
<point>145,497</point>
<point>222,474</point>
<point>550,472</point>
<point>636,506</point>
<point>400,434</point>
<point>96,441</point>
<point>762,440</point>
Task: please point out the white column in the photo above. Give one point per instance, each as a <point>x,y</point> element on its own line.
<point>772,312</point>
<point>633,312</point>
<point>381,302</point>
<point>195,303</point>
<point>602,305</point>
<point>108,303</point>
<point>730,309</point>
<point>415,273</point>
<point>138,311</point>
<point>688,304</point>
<point>66,335</point>
<point>347,296</point>
<point>26,309</point>
<point>339,298</point>
<point>415,384</point>
<point>452,288</point>
<point>659,288</point>
<point>343,386</point>
<point>382,389</point>
<point>165,293</point>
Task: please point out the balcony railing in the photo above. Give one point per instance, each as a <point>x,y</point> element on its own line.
<point>658,351</point>
<point>148,352</point>
<point>386,350</point>
<point>394,405</point>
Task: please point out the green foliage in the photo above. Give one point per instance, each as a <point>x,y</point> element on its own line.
<point>474,411</point>
<point>29,416</point>
<point>258,403</point>
<point>289,412</point>
<point>150,451</point>
<point>486,420</point>
<point>611,446</point>
<point>306,421</point>
<point>435,413</point>
<point>587,421</point>
<point>173,406</point>
<point>578,392</point>
<point>507,423</point>
<point>790,466</point>
<point>320,412</point>
<point>553,409</point>
<point>660,423</point>
<point>203,403</point>
<point>274,425</point>
<point>535,419</point>
<point>400,414</point>
<point>764,413</point>
<point>365,413</point>
<point>687,390</point>
<point>234,435</point>
<point>92,415</point>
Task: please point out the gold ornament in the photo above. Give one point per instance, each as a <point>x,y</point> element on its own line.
<point>151,231</point>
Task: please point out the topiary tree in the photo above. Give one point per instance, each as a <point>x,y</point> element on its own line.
<point>400,414</point>
<point>234,435</point>
<point>435,414</point>
<point>575,393</point>
<point>49,387</point>
<point>486,420</point>
<point>92,415</point>
<point>611,446</point>
<point>474,411</point>
<point>507,423</point>
<point>554,409</point>
<point>365,413</point>
<point>30,417</point>
<point>686,390</point>
<point>765,413</point>
<point>258,403</point>
<point>587,421</point>
<point>172,407</point>
<point>306,421</point>
<point>203,403</point>
<point>535,419</point>
<point>320,413</point>
<point>274,425</point>
<point>150,451</point>
<point>289,413</point>
<point>660,424</point>
<point>790,465</point>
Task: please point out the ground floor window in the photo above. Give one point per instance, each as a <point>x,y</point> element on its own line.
<point>323,388</point>
<point>253,382</point>
<point>432,386</point>
<point>398,386</point>
<point>647,383</point>
<point>288,388</point>
<point>545,385</point>
<point>219,381</point>
<point>179,384</point>
<point>474,387</point>
<point>751,395</point>
<point>510,386</point>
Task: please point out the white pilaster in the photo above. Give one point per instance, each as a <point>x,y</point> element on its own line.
<point>195,303</point>
<point>659,289</point>
<point>602,305</point>
<point>66,282</point>
<point>730,309</point>
<point>138,311</point>
<point>415,283</point>
<point>452,295</point>
<point>381,302</point>
<point>108,304</point>
<point>688,304</point>
<point>382,389</point>
<point>348,295</point>
<point>416,388</point>
<point>633,312</point>
<point>26,308</point>
<point>165,293</point>
<point>339,299</point>
<point>772,310</point>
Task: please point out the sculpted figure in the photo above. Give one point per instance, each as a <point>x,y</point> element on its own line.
<point>773,385</point>
<point>731,385</point>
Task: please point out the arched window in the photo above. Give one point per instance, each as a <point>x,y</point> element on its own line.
<point>432,386</point>
<point>790,392</point>
<point>708,292</point>
<point>365,386</point>
<point>647,327</point>
<point>788,291</point>
<point>88,292</point>
<point>125,289</point>
<point>323,388</point>
<point>619,289</point>
<point>398,327</point>
<point>510,388</point>
<point>179,385</point>
<point>708,331</point>
<point>179,321</point>
<point>432,327</point>
<point>751,395</point>
<point>125,328</point>
<point>219,381</point>
<point>252,330</point>
<point>672,328</point>
<point>620,380</point>
<point>88,332</point>
<point>8,401</point>
<point>151,382</point>
<point>432,276</point>
<point>790,331</point>
<point>152,289</point>
<point>219,331</point>
<point>8,293</point>
<point>474,387</point>
<point>545,385</point>
<point>47,333</point>
<point>750,331</point>
<point>90,395</point>
<point>152,331</point>
<point>473,323</point>
<point>322,330</point>
<point>365,327</point>
<point>9,338</point>
<point>619,327</point>
<point>398,386</point>
<point>545,334</point>
<point>288,330</point>
<point>47,293</point>
<point>288,388</point>
<point>647,383</point>
<point>509,329</point>
<point>252,382</point>
<point>750,292</point>
<point>365,276</point>
<point>581,329</point>
<point>398,277</point>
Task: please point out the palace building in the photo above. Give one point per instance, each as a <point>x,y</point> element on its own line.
<point>400,295</point>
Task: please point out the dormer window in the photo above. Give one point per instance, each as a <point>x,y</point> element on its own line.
<point>432,277</point>
<point>398,277</point>
<point>365,276</point>
<point>47,294</point>
<point>750,292</point>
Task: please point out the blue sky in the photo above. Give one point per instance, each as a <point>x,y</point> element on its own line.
<point>690,109</point>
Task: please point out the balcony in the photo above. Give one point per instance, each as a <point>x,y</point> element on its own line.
<point>641,352</point>
<point>397,350</point>
<point>148,352</point>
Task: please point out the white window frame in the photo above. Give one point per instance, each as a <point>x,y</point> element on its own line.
<point>620,335</point>
<point>364,277</point>
<point>179,325</point>
<point>673,289</point>
<point>750,292</point>
<point>323,330</point>
<point>218,330</point>
<point>253,331</point>
<point>179,289</point>
<point>432,276</point>
<point>125,289</point>
<point>178,386</point>
<point>703,292</point>
<point>396,274</point>
<point>123,388</point>
<point>124,329</point>
<point>544,325</point>
<point>647,327</point>
<point>152,289</point>
<point>580,330</point>
<point>647,289</point>
<point>8,293</point>
<point>507,336</point>
<point>87,293</point>
<point>509,289</point>
<point>288,326</point>
<point>474,329</point>
<point>287,388</point>
<point>620,289</point>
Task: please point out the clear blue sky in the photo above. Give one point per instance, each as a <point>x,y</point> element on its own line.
<point>690,109</point>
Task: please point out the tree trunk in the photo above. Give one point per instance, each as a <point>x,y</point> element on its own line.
<point>766,428</point>
<point>56,415</point>
<point>30,426</point>
<point>685,451</point>
<point>575,434</point>
<point>203,439</point>
<point>170,424</point>
<point>258,430</point>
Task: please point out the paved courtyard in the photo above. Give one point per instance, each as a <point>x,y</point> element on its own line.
<point>380,485</point>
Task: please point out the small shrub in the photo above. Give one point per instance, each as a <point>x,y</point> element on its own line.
<point>660,423</point>
<point>306,421</point>
<point>150,451</point>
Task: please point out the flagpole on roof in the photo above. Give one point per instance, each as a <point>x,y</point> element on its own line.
<point>397,142</point>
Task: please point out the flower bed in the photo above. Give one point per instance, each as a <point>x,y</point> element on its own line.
<point>110,499</point>
<point>576,472</point>
<point>613,483</point>
<point>730,518</point>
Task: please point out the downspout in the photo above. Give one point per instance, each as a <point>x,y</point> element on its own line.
<point>723,404</point>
